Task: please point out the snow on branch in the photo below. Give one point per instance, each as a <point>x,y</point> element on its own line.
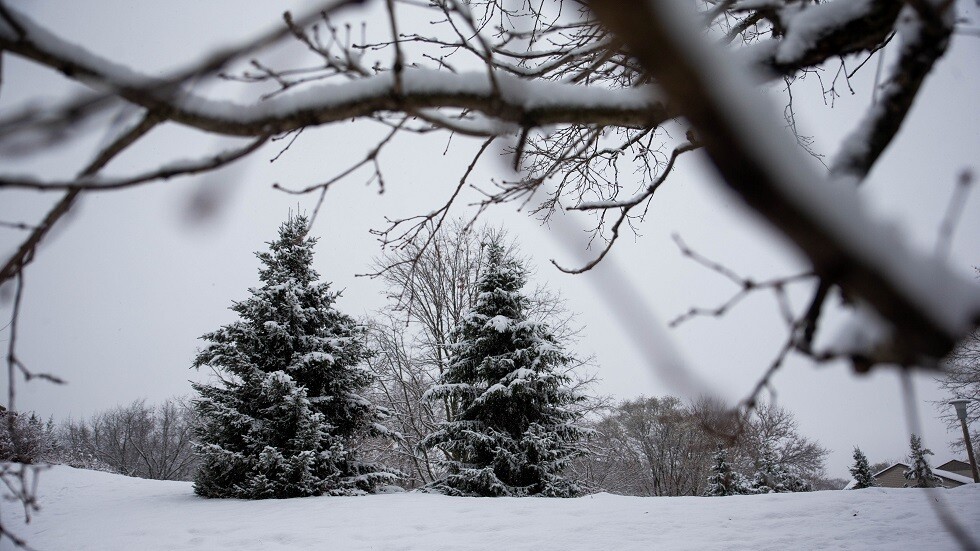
<point>512,96</point>
<point>20,35</point>
<point>816,33</point>
<point>826,219</point>
<point>569,84</point>
<point>510,99</point>
<point>924,41</point>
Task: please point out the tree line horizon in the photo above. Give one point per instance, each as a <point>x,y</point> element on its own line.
<point>416,421</point>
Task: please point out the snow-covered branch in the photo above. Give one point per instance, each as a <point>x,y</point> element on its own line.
<point>584,88</point>
<point>826,219</point>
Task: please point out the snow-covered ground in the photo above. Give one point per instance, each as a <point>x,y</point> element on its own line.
<point>93,510</point>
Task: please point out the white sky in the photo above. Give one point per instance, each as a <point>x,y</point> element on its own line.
<point>114,303</point>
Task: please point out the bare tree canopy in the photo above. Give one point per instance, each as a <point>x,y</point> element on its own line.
<point>576,93</point>
<point>775,429</point>
<point>649,447</point>
<point>961,379</point>
<point>432,285</point>
<point>134,440</point>
<point>664,447</point>
<point>593,102</point>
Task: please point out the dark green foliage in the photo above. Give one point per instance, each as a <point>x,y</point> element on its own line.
<point>279,421</point>
<point>861,471</point>
<point>24,438</point>
<point>514,430</point>
<point>773,477</point>
<point>723,480</point>
<point>920,475</point>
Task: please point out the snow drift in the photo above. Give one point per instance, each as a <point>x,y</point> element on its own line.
<point>84,510</point>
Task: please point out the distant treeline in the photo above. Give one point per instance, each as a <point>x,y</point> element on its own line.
<point>657,446</point>
<point>135,440</point>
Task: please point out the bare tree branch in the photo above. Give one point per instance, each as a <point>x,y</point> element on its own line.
<point>94,183</point>
<point>760,175</point>
<point>25,253</point>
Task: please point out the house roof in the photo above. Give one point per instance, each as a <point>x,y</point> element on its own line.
<point>955,465</point>
<point>953,476</point>
<point>938,472</point>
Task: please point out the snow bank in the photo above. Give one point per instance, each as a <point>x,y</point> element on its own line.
<point>92,510</point>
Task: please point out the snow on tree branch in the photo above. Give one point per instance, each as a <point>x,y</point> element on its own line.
<point>825,218</point>
<point>581,92</point>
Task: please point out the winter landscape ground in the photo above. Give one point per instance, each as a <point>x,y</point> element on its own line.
<point>84,510</point>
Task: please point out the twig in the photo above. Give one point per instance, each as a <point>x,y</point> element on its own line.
<point>625,206</point>
<point>92,183</point>
<point>25,253</point>
<point>295,134</point>
<point>439,215</point>
<point>17,226</point>
<point>953,212</point>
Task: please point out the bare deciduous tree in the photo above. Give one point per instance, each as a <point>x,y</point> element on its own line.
<point>961,379</point>
<point>580,94</point>
<point>431,286</point>
<point>649,447</point>
<point>774,428</point>
<point>432,282</point>
<point>401,380</point>
<point>661,446</point>
<point>134,440</point>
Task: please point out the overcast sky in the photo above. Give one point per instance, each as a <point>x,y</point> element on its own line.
<point>115,301</point>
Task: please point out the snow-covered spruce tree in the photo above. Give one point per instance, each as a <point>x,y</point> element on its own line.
<point>280,421</point>
<point>514,430</point>
<point>724,481</point>
<point>919,474</point>
<point>861,471</point>
<point>24,438</point>
<point>772,477</point>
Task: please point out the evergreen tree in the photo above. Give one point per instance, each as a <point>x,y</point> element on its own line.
<point>25,438</point>
<point>724,481</point>
<point>280,420</point>
<point>514,430</point>
<point>861,471</point>
<point>920,475</point>
<point>772,477</point>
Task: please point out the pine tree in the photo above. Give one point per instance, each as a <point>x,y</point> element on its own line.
<point>861,471</point>
<point>724,481</point>
<point>920,475</point>
<point>25,438</point>
<point>514,430</point>
<point>772,477</point>
<point>280,420</point>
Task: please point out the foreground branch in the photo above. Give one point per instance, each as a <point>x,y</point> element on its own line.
<point>824,219</point>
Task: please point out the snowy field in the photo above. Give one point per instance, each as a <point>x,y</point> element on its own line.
<point>93,510</point>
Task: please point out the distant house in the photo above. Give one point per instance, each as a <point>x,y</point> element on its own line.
<point>958,467</point>
<point>894,476</point>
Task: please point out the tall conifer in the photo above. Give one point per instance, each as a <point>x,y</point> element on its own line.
<point>861,471</point>
<point>514,429</point>
<point>725,481</point>
<point>919,474</point>
<point>280,418</point>
<point>773,477</point>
